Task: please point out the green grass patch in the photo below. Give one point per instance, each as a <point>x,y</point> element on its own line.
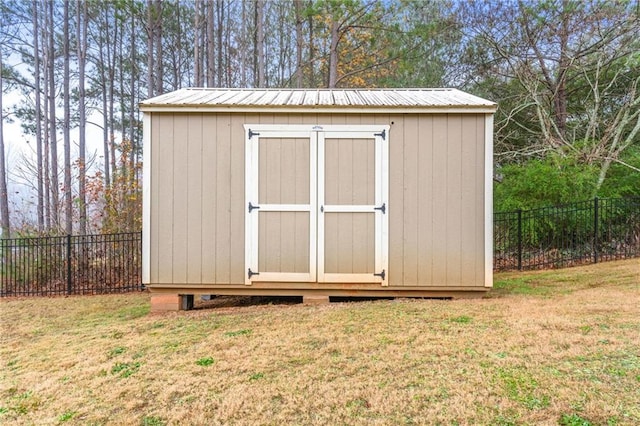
<point>573,420</point>
<point>521,386</point>
<point>152,421</point>
<point>256,376</point>
<point>125,369</point>
<point>66,416</point>
<point>462,319</point>
<point>205,362</point>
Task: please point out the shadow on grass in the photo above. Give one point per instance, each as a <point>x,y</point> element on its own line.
<point>245,301</point>
<point>242,301</point>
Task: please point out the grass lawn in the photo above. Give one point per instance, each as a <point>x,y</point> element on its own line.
<point>551,347</point>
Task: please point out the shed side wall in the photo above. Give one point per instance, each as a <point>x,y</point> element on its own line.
<point>436,202</point>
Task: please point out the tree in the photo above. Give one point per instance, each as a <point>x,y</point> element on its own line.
<point>566,74</point>
<point>68,201</point>
<point>4,198</point>
<point>259,44</point>
<point>81,37</point>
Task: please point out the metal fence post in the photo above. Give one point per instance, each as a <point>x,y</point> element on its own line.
<point>595,229</point>
<point>519,239</point>
<point>69,282</point>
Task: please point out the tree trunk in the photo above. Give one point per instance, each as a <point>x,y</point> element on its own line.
<point>197,53</point>
<point>55,187</point>
<point>312,54</point>
<point>333,54</point>
<point>299,41</point>
<point>210,47</point>
<point>38,116</point>
<point>244,79</point>
<point>81,34</point>
<point>132,98</point>
<point>103,89</point>
<point>159,86</point>
<point>560,100</point>
<point>4,195</point>
<point>260,42</point>
<point>219,31</point>
<point>68,206</point>
<point>150,44</point>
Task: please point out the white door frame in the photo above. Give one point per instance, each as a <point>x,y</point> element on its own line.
<point>316,207</point>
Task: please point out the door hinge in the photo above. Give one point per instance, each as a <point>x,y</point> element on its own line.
<point>252,207</point>
<point>382,208</point>
<point>381,275</point>
<point>252,134</point>
<point>250,273</point>
<point>382,134</point>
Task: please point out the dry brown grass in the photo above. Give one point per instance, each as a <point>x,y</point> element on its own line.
<point>545,348</point>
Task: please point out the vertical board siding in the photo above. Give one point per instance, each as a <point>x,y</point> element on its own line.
<point>454,202</point>
<point>155,241</point>
<point>280,249</point>
<point>425,201</point>
<point>195,185</point>
<point>180,206</point>
<point>284,171</point>
<point>469,209</point>
<point>479,196</point>
<point>236,199</point>
<point>223,199</point>
<point>209,210</point>
<point>165,199</point>
<point>396,198</point>
<point>440,209</point>
<point>350,243</point>
<point>436,198</point>
<point>411,215</point>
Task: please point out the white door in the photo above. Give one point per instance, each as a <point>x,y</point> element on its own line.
<point>316,203</point>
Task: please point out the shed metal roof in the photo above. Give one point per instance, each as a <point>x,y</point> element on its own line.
<point>319,100</point>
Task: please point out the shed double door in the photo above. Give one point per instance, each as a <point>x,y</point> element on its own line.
<point>316,204</point>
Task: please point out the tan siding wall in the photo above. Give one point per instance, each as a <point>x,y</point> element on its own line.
<point>435,205</point>
<point>425,203</point>
<point>208,213</point>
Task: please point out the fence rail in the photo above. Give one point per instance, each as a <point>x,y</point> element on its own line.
<point>552,237</point>
<point>81,264</point>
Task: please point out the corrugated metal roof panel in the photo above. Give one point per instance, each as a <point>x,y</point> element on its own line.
<point>322,99</point>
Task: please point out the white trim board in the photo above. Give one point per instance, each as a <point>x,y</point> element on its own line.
<point>146,199</point>
<point>488,200</point>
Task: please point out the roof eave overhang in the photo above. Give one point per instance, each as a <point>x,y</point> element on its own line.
<point>481,109</point>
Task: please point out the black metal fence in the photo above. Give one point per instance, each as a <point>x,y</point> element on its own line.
<point>82,264</point>
<point>551,237</point>
<point>555,237</point>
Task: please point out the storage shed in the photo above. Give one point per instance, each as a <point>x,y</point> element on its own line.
<point>317,193</point>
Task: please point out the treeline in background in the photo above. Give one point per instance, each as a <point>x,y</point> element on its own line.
<point>565,74</point>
